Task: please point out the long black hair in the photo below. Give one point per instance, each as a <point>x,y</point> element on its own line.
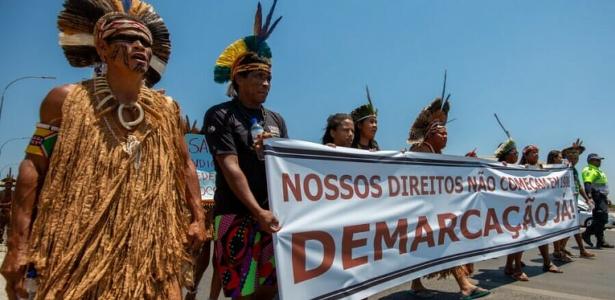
<point>333,122</point>
<point>357,137</point>
<point>552,155</point>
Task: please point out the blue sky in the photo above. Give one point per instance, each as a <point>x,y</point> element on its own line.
<point>546,67</point>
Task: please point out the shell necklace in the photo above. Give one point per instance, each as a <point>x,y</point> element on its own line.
<point>132,145</point>
<point>101,87</point>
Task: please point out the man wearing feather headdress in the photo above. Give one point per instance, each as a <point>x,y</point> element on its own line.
<point>572,154</point>
<point>428,134</point>
<point>235,131</point>
<point>107,198</point>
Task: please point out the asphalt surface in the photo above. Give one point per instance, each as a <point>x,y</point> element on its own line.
<point>583,279</point>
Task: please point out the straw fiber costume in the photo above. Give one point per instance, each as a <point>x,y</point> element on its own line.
<point>113,212</point>
<point>244,251</point>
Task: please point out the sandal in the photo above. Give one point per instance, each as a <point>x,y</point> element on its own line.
<point>520,276</point>
<point>475,294</point>
<point>561,257</point>
<point>587,254</point>
<point>508,272</point>
<point>552,269</point>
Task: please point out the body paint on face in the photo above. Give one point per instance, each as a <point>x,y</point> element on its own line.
<point>125,52</point>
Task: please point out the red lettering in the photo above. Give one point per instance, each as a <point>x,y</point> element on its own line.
<point>492,223</point>
<point>349,243</point>
<point>545,208</point>
<point>458,184</point>
<point>298,241</point>
<point>383,235</point>
<point>393,186</point>
<point>414,186</point>
<point>422,226</point>
<point>464,224</point>
<point>558,213</point>
<point>308,190</point>
<point>447,229</point>
<point>361,182</point>
<point>294,187</point>
<point>513,229</point>
<point>346,187</point>
<point>565,211</point>
<point>374,183</point>
<point>404,186</point>
<point>331,187</point>
<point>424,185</point>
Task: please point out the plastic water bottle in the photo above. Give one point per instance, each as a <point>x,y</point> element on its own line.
<point>255,131</point>
<point>30,283</point>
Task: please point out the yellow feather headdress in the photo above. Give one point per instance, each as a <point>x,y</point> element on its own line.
<point>229,58</point>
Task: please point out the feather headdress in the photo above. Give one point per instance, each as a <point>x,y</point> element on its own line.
<point>77,24</point>
<point>365,110</point>
<point>508,145</point>
<point>435,113</point>
<point>229,59</point>
<point>577,148</point>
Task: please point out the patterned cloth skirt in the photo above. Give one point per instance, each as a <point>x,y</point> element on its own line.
<point>243,255</point>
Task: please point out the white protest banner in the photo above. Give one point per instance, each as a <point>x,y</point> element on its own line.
<point>356,222</point>
<point>203,161</point>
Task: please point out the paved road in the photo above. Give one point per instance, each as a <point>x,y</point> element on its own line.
<point>583,279</point>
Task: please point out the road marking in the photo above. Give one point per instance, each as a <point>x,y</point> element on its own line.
<point>548,293</point>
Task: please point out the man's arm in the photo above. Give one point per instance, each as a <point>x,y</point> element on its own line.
<point>229,163</point>
<point>196,231</point>
<point>32,172</point>
<point>588,187</point>
<point>584,195</point>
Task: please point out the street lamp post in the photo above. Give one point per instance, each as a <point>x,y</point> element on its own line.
<point>6,166</point>
<point>18,79</point>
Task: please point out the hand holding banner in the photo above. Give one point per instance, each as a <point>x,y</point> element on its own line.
<point>354,222</point>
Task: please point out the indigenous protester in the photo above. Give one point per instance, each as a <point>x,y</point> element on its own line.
<point>555,157</point>
<point>428,134</point>
<point>112,222</point>
<point>572,155</point>
<point>597,184</point>
<point>244,251</point>
<point>6,198</point>
<point>507,153</point>
<point>365,119</point>
<point>339,130</point>
<point>530,160</point>
<point>203,254</point>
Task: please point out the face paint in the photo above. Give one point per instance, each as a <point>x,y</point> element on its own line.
<point>129,44</point>
<point>131,49</point>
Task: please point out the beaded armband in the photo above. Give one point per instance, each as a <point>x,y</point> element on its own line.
<point>43,140</point>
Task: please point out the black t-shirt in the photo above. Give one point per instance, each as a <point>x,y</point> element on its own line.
<point>227,130</point>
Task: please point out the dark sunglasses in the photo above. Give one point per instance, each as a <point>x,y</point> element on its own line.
<point>129,39</point>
